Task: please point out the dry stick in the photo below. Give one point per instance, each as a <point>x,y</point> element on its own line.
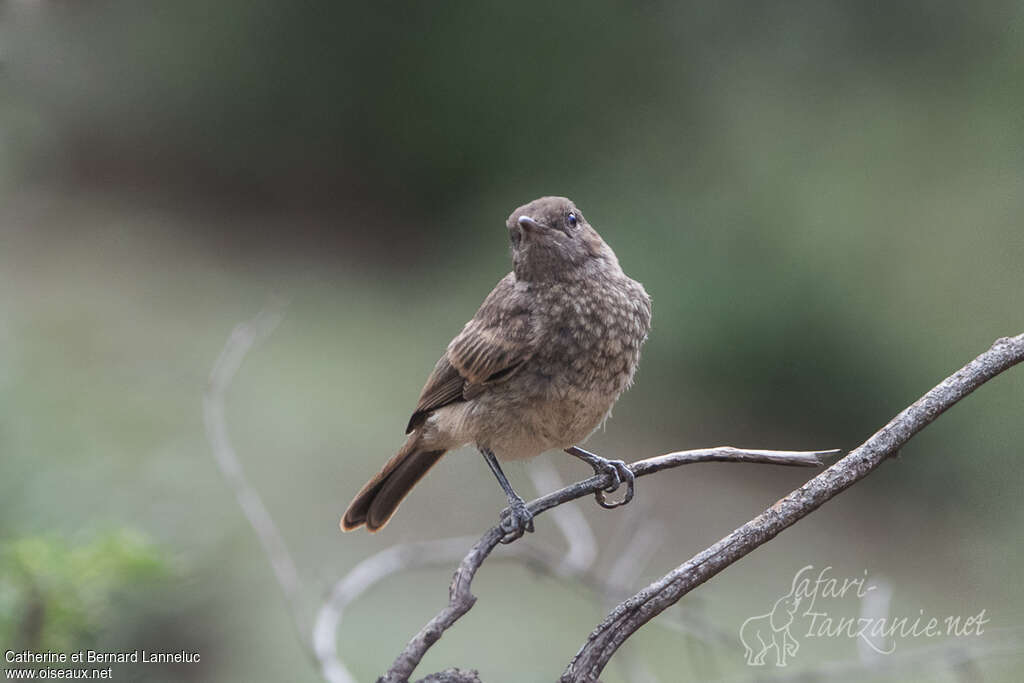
<point>461,599</point>
<point>633,613</point>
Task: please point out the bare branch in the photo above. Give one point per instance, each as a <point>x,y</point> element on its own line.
<point>461,599</point>
<point>243,339</point>
<point>633,613</point>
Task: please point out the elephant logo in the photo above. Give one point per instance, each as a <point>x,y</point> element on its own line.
<point>766,632</point>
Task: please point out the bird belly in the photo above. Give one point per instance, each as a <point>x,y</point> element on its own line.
<point>527,429</point>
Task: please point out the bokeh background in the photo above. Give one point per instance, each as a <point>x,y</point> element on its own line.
<point>824,200</point>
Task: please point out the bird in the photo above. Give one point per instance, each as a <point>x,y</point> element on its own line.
<point>538,367</point>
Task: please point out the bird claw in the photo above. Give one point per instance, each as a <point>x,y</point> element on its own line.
<point>516,520</point>
<point>620,474</point>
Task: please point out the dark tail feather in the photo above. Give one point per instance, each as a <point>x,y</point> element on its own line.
<point>378,500</point>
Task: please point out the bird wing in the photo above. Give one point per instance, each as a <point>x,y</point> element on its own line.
<point>490,348</point>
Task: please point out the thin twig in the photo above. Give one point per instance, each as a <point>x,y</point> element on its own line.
<point>633,613</point>
<point>461,599</point>
<point>243,339</point>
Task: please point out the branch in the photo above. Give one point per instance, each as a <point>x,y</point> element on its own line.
<point>243,339</point>
<point>633,613</point>
<point>461,600</point>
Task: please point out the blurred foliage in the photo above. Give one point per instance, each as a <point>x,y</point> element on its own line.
<point>58,595</point>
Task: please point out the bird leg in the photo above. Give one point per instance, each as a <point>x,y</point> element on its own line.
<point>618,469</point>
<point>516,519</point>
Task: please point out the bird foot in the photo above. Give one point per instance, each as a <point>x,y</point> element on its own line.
<point>621,474</point>
<point>516,520</point>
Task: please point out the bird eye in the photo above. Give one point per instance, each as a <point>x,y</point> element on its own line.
<point>516,236</point>
<point>572,220</point>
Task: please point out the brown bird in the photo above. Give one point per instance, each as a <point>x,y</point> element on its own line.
<point>538,367</point>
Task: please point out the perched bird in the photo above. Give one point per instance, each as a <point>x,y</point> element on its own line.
<point>539,366</point>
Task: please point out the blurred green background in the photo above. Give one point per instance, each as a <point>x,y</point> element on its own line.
<point>824,200</point>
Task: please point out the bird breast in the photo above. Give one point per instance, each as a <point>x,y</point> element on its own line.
<point>592,334</point>
<point>586,351</point>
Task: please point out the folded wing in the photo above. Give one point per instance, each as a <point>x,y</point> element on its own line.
<point>490,348</point>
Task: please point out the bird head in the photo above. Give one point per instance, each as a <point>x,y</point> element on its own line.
<point>551,240</point>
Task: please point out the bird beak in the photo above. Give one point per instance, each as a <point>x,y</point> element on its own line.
<point>529,225</point>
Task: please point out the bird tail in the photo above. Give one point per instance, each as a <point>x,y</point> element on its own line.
<point>378,500</point>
